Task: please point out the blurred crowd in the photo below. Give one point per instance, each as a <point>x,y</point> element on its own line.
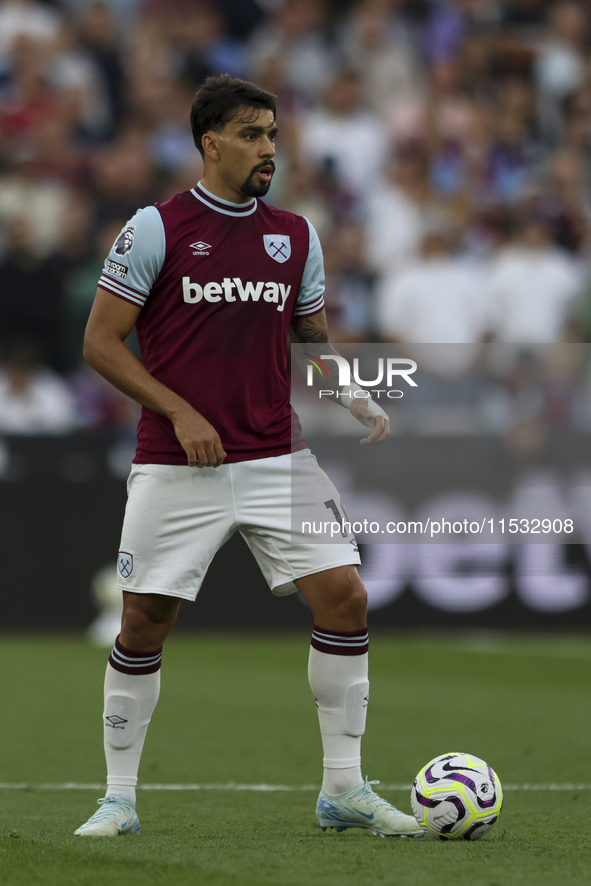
<point>442,149</point>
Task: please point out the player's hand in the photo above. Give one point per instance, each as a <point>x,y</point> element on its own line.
<point>199,439</point>
<point>379,424</point>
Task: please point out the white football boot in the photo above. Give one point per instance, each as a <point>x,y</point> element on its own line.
<point>116,816</point>
<point>362,808</point>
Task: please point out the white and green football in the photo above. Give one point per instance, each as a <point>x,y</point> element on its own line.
<point>456,797</point>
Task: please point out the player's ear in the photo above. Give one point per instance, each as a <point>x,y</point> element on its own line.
<point>210,145</point>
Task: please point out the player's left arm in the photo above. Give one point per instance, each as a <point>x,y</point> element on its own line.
<point>313,330</point>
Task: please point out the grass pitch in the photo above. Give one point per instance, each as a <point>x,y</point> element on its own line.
<point>232,763</point>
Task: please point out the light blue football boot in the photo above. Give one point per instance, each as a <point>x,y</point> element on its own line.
<point>116,816</point>
<point>362,808</point>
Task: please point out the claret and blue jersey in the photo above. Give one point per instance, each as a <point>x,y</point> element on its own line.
<point>218,285</point>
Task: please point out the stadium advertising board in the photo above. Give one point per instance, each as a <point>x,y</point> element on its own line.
<point>63,501</point>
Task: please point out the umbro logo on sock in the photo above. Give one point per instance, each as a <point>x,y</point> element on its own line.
<point>115,722</point>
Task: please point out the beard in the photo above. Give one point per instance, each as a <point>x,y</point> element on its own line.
<point>250,188</point>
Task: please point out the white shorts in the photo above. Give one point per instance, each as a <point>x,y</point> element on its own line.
<point>177,518</point>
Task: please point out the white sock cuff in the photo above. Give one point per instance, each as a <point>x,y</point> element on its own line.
<point>127,780</point>
<point>341,763</point>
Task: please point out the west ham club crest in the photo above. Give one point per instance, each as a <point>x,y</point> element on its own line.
<point>125,564</point>
<point>278,246</point>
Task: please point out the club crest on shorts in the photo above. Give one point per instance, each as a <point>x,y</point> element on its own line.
<point>278,246</point>
<point>125,564</point>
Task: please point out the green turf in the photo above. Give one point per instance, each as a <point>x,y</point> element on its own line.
<point>237,710</point>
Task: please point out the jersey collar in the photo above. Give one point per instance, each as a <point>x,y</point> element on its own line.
<point>223,206</point>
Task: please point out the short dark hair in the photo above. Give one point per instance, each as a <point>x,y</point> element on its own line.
<point>217,100</point>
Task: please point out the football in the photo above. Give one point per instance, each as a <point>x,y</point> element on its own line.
<point>456,797</point>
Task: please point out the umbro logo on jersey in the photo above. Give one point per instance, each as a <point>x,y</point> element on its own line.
<point>200,248</point>
<point>232,289</point>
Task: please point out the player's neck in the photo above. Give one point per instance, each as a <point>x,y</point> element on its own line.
<point>220,190</point>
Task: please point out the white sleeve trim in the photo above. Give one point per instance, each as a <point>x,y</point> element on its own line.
<point>122,291</point>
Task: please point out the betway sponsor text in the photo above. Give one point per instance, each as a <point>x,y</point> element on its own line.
<point>233,289</point>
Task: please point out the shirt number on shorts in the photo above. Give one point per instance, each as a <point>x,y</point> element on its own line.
<point>341,516</point>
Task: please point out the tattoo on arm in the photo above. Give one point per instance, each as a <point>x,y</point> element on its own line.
<point>311,329</point>
<point>313,332</point>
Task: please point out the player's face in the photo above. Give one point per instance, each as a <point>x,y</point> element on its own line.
<point>247,147</point>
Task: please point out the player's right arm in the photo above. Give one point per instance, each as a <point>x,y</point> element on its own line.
<point>111,321</point>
